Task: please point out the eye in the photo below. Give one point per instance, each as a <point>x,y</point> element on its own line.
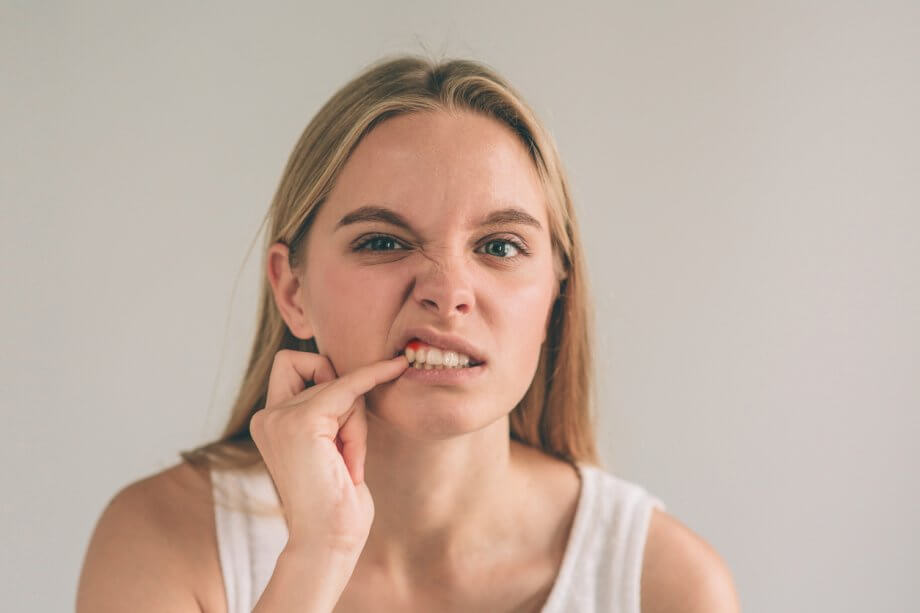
<point>503,248</point>
<point>504,245</point>
<point>380,242</point>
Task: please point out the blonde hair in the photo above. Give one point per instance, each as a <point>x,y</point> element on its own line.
<point>555,415</point>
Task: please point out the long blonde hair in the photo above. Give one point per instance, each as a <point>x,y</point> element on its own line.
<point>556,413</point>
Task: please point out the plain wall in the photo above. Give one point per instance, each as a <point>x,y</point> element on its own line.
<point>747,181</point>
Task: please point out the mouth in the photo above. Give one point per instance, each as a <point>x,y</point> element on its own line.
<point>427,356</point>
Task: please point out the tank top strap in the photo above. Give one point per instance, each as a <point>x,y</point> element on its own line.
<point>251,533</point>
<point>601,571</point>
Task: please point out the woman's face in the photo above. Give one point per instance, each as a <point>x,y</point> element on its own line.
<point>369,281</point>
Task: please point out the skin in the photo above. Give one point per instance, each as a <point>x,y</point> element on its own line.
<point>465,519</point>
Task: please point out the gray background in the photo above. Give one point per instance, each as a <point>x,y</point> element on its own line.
<point>746,178</point>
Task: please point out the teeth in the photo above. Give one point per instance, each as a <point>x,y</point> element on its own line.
<point>427,357</point>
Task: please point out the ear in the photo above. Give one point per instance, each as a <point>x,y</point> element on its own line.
<point>286,287</point>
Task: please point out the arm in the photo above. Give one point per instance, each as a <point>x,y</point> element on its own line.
<point>153,550</point>
<point>681,573</point>
<point>133,562</point>
<point>305,581</point>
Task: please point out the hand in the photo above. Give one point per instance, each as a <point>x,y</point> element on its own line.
<point>314,442</point>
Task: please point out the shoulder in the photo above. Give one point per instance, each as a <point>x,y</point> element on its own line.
<point>151,546</point>
<point>682,573</point>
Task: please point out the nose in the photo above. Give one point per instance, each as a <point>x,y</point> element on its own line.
<point>443,287</point>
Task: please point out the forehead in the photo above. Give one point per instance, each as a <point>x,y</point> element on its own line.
<point>439,165</point>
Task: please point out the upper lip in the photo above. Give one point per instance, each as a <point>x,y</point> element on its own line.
<point>442,341</point>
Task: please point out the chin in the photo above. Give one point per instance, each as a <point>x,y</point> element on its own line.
<point>441,419</point>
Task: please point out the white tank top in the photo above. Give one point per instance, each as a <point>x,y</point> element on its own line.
<point>600,572</point>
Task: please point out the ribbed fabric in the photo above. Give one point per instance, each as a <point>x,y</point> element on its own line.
<point>601,568</point>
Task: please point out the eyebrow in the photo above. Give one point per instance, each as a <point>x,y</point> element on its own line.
<point>372,213</point>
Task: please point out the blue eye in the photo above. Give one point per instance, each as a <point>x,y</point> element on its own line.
<point>506,243</point>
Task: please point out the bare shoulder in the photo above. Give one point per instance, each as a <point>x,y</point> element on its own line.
<point>682,573</point>
<point>153,547</point>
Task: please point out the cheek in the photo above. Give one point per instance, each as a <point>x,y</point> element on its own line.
<point>520,328</point>
<point>523,321</point>
<point>529,298</point>
<point>346,306</point>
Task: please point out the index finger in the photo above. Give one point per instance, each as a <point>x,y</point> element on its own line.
<point>290,372</point>
<point>343,392</point>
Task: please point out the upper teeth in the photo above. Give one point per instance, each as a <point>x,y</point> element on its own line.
<point>433,357</point>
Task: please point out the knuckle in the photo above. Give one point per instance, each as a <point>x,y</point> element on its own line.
<point>256,429</point>
<point>325,364</point>
<point>270,419</point>
<point>265,424</point>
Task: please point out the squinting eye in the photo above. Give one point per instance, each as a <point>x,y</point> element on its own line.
<point>377,243</point>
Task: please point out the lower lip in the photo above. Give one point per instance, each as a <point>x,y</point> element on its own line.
<point>443,376</point>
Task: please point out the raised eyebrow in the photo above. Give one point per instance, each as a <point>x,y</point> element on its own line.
<point>372,213</point>
<point>512,215</point>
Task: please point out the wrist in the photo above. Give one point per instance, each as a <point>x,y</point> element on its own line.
<point>307,580</point>
<point>316,559</point>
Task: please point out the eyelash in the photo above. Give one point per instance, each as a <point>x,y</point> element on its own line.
<point>514,242</point>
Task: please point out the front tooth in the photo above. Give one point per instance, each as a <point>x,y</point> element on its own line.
<point>435,357</point>
<point>420,354</point>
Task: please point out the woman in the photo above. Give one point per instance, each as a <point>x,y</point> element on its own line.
<point>416,406</point>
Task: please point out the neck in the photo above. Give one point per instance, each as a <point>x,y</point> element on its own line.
<point>436,503</point>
